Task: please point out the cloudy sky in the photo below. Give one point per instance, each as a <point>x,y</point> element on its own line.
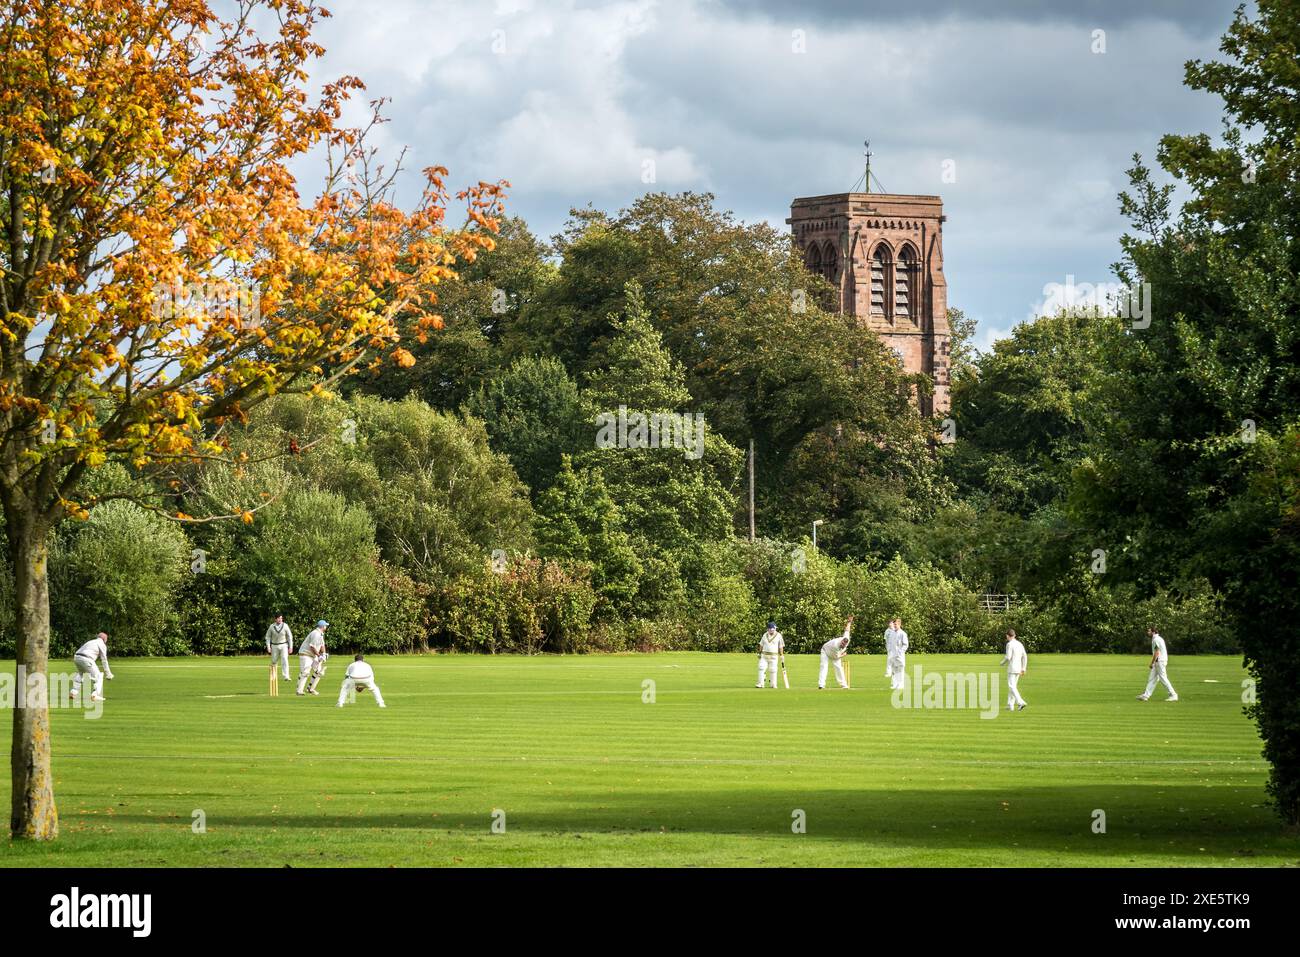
<point>762,101</point>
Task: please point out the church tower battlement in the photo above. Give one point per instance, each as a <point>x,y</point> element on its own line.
<point>883,252</point>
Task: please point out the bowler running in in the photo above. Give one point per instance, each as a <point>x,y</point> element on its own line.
<point>833,652</point>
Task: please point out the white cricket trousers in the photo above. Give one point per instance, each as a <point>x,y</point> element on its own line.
<point>839,672</point>
<point>280,655</point>
<point>1013,692</point>
<point>897,668</point>
<point>87,667</point>
<point>351,684</point>
<point>307,668</point>
<point>766,663</point>
<point>1159,674</point>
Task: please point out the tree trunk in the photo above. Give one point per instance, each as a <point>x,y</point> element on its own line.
<point>33,813</point>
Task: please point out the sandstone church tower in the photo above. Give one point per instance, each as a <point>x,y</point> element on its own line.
<point>884,253</point>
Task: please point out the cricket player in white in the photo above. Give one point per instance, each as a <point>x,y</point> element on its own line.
<point>770,648</point>
<point>896,653</point>
<point>360,677</point>
<point>87,660</point>
<point>1159,667</point>
<point>1016,660</point>
<point>889,629</point>
<point>279,644</point>
<point>309,655</point>
<point>834,651</point>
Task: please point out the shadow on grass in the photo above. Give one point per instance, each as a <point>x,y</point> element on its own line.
<point>1195,822</point>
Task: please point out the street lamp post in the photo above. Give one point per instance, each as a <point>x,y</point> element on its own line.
<point>815,524</point>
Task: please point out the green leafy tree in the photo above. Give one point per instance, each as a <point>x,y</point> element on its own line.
<point>641,374</point>
<point>962,354</point>
<point>578,520</point>
<point>476,308</point>
<point>1029,407</point>
<point>738,310</point>
<point>312,555</point>
<point>119,572</point>
<point>440,498</point>
<point>1194,469</point>
<point>534,414</point>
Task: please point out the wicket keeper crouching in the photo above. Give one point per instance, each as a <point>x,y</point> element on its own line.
<point>359,677</point>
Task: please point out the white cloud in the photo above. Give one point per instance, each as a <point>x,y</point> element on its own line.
<point>568,100</point>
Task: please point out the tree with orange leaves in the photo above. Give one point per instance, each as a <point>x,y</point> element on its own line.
<point>159,272</point>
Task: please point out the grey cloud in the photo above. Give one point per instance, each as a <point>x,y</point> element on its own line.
<point>1040,128</point>
<point>1196,15</point>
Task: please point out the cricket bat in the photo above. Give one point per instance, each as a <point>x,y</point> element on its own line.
<point>785,675</point>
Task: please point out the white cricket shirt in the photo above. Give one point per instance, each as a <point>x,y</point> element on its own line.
<point>1159,650</point>
<point>360,671</point>
<point>95,650</point>
<point>315,642</point>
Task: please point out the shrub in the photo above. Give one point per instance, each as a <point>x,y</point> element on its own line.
<point>532,606</point>
<point>117,572</point>
<point>1190,617</point>
<point>310,556</point>
<point>723,615</point>
<point>794,586</point>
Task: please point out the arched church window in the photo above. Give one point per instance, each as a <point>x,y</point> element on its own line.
<point>879,271</point>
<point>905,292</point>
<point>830,264</point>
<point>814,260</point>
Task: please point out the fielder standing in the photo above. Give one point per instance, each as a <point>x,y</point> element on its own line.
<point>1159,667</point>
<point>834,651</point>
<point>87,659</point>
<point>896,643</point>
<point>889,643</point>
<point>279,644</point>
<point>1016,661</point>
<point>770,648</point>
<point>360,677</point>
<point>310,654</point>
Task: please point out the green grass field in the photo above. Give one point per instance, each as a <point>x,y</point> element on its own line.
<point>710,773</point>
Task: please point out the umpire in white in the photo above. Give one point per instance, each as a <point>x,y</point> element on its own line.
<point>279,644</point>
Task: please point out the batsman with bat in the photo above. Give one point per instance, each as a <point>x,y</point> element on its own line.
<point>311,658</point>
<point>771,648</point>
